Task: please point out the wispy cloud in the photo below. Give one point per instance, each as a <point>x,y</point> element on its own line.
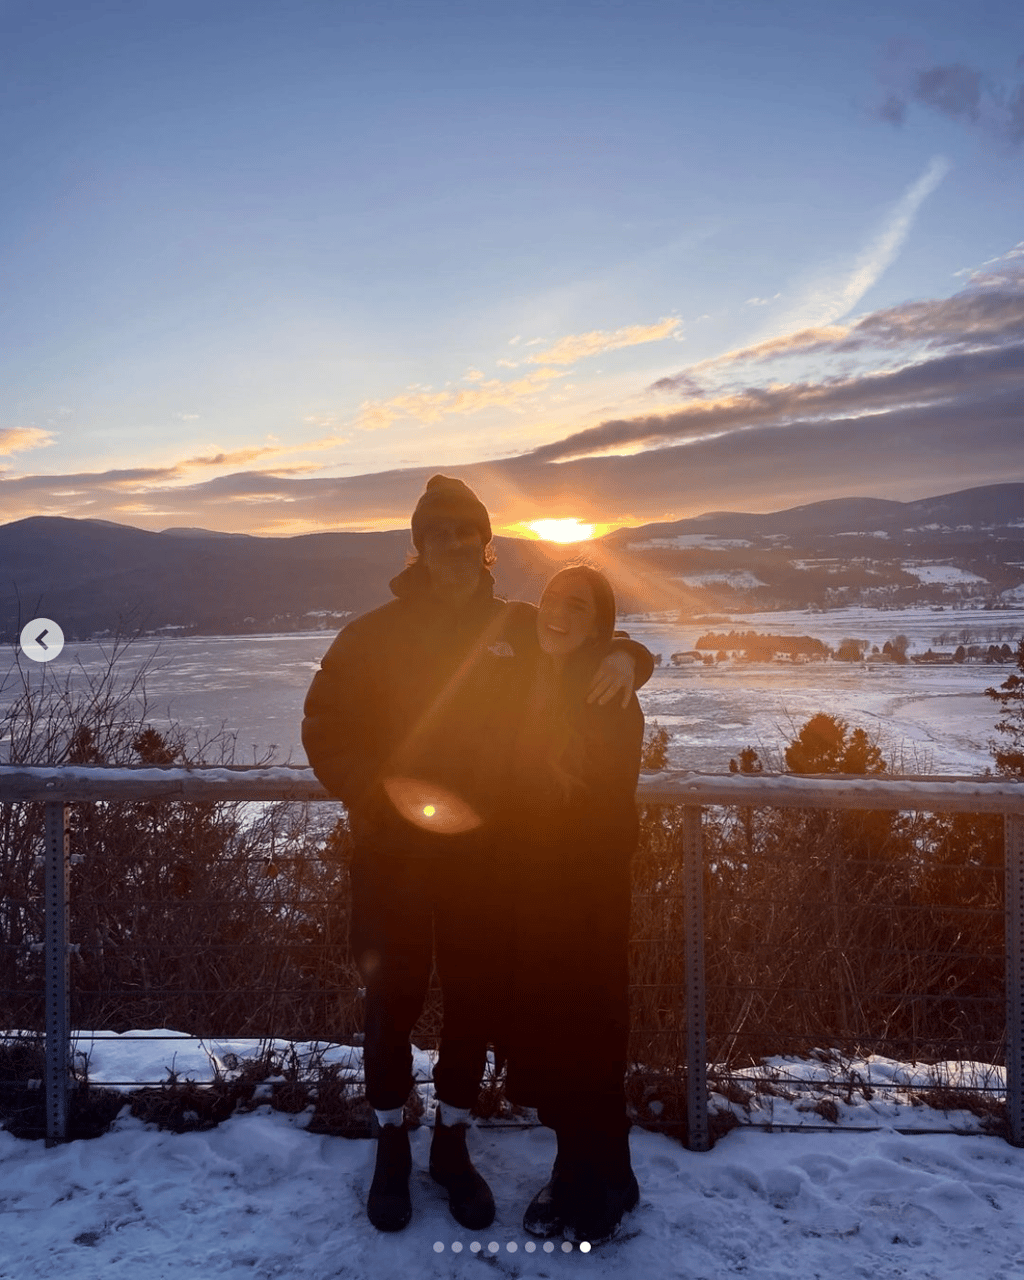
<point>828,300</point>
<point>22,439</point>
<point>431,406</point>
<point>237,457</point>
<point>582,345</point>
<point>989,312</point>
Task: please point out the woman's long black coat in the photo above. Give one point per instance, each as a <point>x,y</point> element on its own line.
<point>571,866</point>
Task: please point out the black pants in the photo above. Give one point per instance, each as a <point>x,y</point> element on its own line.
<point>408,911</point>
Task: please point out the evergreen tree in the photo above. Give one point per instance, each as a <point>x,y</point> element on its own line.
<point>1009,753</point>
<point>826,745</point>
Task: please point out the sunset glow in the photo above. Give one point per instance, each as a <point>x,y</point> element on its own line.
<point>243,337</point>
<point>566,530</point>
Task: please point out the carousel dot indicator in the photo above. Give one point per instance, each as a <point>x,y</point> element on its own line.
<point>438,1247</point>
<point>457,1247</point>
<point>475,1247</point>
<point>493,1247</point>
<point>566,1247</point>
<point>548,1247</point>
<point>584,1246</point>
<point>511,1246</point>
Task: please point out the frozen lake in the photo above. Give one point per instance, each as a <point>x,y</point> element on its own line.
<point>935,719</point>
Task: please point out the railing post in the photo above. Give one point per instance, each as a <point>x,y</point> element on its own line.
<point>696,1029</point>
<point>1014,862</point>
<point>58,1014</point>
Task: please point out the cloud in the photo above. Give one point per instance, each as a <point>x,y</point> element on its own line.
<point>22,439</point>
<point>989,312</point>
<point>955,90</point>
<point>431,407</point>
<point>959,375</point>
<point>932,405</point>
<point>580,346</point>
<point>233,459</point>
<point>803,342</point>
<point>827,301</point>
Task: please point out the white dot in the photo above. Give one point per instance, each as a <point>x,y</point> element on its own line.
<point>566,1247</point>
<point>493,1247</point>
<point>585,1246</point>
<point>475,1246</point>
<point>511,1246</point>
<point>530,1246</point>
<point>548,1246</point>
<point>438,1247</point>
<point>457,1247</point>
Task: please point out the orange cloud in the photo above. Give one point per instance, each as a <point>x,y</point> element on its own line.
<point>431,406</point>
<point>582,345</point>
<point>21,439</point>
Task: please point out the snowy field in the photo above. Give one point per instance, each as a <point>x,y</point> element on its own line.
<point>927,719</point>
<point>260,1197</point>
<point>936,719</point>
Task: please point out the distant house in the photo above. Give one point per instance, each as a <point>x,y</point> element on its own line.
<point>935,657</point>
<point>687,658</point>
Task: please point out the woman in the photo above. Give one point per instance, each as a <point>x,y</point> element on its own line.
<point>576,830</point>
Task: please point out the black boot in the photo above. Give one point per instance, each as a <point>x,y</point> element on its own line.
<point>607,1190</point>
<point>469,1197</point>
<point>388,1205</point>
<point>552,1207</point>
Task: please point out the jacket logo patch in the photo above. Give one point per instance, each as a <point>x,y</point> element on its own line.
<point>502,649</point>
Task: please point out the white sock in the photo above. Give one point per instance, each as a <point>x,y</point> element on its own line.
<point>452,1115</point>
<point>389,1117</point>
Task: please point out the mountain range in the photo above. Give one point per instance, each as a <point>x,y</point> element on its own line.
<point>95,578</point>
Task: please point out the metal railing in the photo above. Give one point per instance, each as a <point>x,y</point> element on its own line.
<point>57,787</point>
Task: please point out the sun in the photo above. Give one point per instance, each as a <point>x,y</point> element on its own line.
<point>567,530</point>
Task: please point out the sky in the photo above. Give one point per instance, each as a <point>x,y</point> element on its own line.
<point>266,267</point>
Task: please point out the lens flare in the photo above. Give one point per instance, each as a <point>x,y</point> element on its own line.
<point>430,807</point>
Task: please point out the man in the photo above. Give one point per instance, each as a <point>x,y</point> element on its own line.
<point>410,722</point>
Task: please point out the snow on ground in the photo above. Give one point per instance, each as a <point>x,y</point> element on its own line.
<point>740,579</point>
<point>948,574</point>
<point>261,1197</point>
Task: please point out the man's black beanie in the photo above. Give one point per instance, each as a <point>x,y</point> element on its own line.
<point>448,498</point>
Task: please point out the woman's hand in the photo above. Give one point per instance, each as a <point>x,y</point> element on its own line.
<point>615,677</point>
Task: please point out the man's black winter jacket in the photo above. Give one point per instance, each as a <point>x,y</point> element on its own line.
<point>415,692</point>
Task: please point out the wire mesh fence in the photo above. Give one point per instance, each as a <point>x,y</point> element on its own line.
<point>780,921</point>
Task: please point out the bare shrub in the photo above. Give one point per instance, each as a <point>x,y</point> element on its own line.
<point>220,919</point>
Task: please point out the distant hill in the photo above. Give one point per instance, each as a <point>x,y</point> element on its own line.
<point>92,576</point>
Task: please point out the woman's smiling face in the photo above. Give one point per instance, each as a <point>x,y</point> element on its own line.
<point>566,616</point>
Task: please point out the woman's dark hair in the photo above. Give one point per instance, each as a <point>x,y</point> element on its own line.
<point>563,745</point>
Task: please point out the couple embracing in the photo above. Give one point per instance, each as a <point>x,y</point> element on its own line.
<point>487,753</point>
